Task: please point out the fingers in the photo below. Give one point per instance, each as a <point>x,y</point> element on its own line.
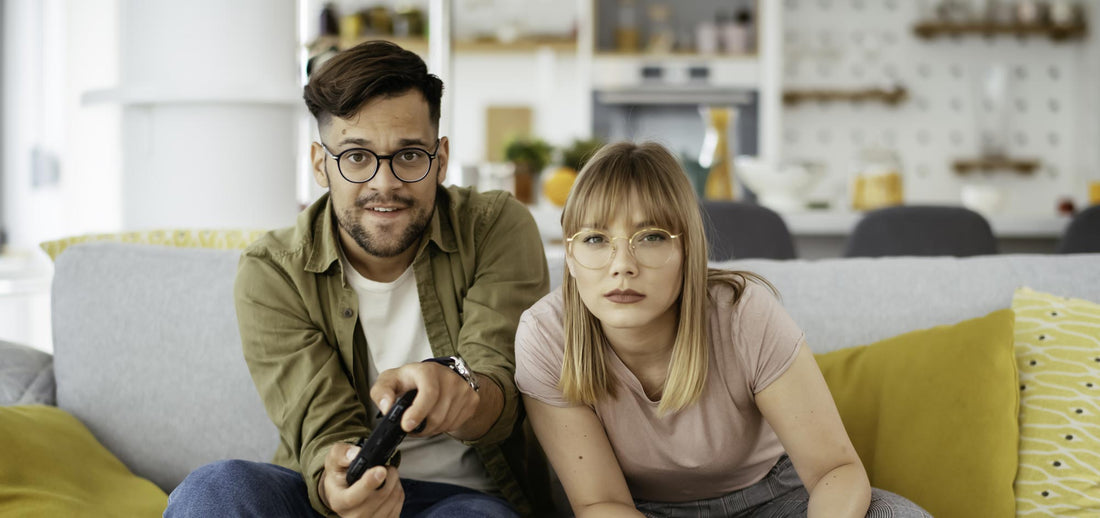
<point>387,388</point>
<point>377,493</point>
<point>444,400</point>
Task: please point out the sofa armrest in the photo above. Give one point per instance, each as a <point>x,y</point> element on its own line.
<point>26,376</point>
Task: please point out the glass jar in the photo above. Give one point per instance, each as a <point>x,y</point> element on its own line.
<point>876,179</point>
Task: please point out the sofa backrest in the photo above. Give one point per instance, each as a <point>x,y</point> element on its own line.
<point>843,303</point>
<point>148,354</point>
<point>847,302</point>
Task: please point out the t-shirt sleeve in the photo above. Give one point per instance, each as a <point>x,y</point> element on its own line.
<point>768,337</point>
<point>540,345</point>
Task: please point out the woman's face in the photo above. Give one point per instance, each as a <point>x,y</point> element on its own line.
<point>625,293</point>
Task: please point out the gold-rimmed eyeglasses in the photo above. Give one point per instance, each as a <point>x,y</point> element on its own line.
<point>651,247</point>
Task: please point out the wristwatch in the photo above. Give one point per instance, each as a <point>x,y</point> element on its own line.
<point>459,366</point>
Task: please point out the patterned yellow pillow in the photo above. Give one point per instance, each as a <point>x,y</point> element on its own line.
<point>1058,356</point>
<point>205,238</point>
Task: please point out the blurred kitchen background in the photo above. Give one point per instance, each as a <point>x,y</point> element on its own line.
<point>122,115</point>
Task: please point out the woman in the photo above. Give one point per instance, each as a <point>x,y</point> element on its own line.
<point>659,388</point>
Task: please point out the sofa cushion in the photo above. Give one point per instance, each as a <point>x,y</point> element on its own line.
<point>224,239</point>
<point>26,375</point>
<point>847,302</point>
<point>53,466</point>
<point>1058,355</point>
<point>933,414</point>
<point>147,354</point>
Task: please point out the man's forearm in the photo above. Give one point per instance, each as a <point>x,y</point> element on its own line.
<point>489,407</point>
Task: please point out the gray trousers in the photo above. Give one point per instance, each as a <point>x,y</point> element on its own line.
<point>780,494</point>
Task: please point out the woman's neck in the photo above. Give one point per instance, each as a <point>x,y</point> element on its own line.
<point>647,350</point>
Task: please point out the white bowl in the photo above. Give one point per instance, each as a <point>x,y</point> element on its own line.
<point>985,199</point>
<point>780,188</point>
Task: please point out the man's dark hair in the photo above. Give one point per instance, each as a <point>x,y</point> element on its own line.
<point>368,71</point>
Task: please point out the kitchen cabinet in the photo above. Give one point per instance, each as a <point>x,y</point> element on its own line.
<point>644,89</point>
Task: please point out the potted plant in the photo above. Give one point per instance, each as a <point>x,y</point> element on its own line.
<point>578,152</point>
<point>529,155</point>
<point>573,157</point>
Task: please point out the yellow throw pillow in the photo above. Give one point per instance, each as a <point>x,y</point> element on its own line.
<point>225,239</point>
<point>933,414</point>
<point>1058,354</point>
<point>51,465</point>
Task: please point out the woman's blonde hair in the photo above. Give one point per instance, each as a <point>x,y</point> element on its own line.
<point>650,176</point>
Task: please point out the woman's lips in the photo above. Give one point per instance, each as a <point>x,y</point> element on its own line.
<point>623,296</point>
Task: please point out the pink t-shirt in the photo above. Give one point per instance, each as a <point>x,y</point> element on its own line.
<point>720,444</point>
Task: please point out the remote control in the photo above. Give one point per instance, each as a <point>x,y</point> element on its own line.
<point>379,448</point>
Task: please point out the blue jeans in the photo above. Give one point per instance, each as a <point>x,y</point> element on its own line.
<point>244,488</point>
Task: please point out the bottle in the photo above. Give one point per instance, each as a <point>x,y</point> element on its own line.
<point>743,19</point>
<point>662,38</point>
<point>329,27</point>
<point>716,152</point>
<point>706,37</point>
<point>626,32</point>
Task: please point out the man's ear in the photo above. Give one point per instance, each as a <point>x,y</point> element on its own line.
<point>442,155</point>
<point>317,156</point>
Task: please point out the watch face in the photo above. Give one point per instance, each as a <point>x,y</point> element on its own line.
<point>460,364</point>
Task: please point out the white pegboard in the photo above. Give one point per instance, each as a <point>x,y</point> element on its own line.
<point>863,43</point>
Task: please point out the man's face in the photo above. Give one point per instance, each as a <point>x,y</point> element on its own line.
<point>385,217</point>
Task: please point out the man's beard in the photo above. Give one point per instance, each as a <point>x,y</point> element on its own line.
<point>376,243</point>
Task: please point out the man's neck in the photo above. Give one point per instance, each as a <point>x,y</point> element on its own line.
<point>377,269</point>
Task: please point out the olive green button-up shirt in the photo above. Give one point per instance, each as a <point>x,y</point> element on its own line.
<point>481,265</point>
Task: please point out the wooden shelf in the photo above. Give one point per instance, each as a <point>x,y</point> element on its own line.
<point>676,55</point>
<point>1019,165</point>
<point>420,45</point>
<point>892,97</point>
<point>932,29</point>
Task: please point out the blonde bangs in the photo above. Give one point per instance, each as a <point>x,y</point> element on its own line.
<point>616,188</point>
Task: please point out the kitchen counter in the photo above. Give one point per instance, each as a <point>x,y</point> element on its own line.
<point>822,234</point>
<point>1008,226</point>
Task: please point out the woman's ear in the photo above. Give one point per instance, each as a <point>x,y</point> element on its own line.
<point>570,266</point>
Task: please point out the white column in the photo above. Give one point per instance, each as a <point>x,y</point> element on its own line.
<point>211,104</point>
<point>770,27</point>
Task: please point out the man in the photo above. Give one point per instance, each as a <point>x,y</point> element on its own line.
<point>385,270</point>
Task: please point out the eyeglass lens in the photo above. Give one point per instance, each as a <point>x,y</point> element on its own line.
<point>652,248</point>
<point>409,164</point>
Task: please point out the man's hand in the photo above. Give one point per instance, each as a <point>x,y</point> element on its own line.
<point>364,498</point>
<point>443,399</point>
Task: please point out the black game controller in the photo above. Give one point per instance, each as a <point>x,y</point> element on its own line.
<point>379,448</point>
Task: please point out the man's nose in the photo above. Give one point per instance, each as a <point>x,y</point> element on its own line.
<point>385,179</point>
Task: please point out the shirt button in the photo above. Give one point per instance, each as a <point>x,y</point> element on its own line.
<point>348,313</point>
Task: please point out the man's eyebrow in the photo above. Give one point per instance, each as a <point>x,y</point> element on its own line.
<point>412,142</point>
<point>362,142</point>
<point>354,140</point>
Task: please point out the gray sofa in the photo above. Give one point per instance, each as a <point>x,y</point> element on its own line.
<point>147,352</point>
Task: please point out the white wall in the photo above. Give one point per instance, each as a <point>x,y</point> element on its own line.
<point>1053,109</point>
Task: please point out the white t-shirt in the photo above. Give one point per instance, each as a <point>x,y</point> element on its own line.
<point>390,317</point>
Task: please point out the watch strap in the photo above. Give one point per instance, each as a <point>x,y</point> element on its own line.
<point>458,366</point>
